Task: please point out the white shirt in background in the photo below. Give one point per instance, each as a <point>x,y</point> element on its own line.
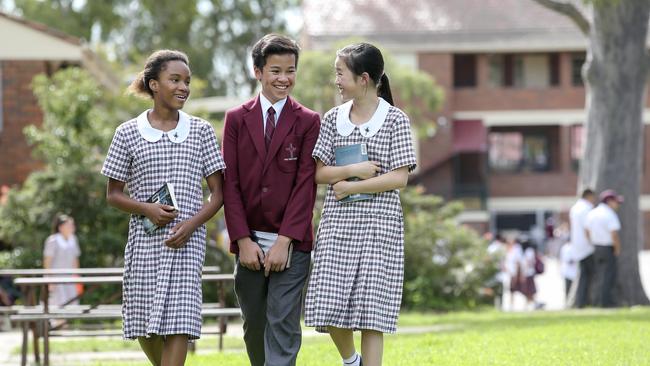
<point>514,256</point>
<point>568,262</point>
<point>601,221</point>
<point>578,216</point>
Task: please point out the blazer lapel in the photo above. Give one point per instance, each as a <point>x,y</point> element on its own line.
<point>284,126</point>
<point>253,122</point>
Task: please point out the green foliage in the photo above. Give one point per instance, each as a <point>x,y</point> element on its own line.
<point>446,265</point>
<point>414,91</point>
<point>592,337</point>
<point>215,34</point>
<point>78,123</point>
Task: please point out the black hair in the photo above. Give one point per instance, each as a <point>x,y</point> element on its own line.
<point>587,192</point>
<point>59,220</point>
<point>273,44</point>
<point>155,64</point>
<point>364,57</point>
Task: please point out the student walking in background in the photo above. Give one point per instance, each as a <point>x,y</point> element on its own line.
<point>164,146</point>
<point>568,268</point>
<point>513,268</point>
<point>602,226</point>
<point>582,249</point>
<point>356,281</point>
<point>61,251</point>
<point>269,200</point>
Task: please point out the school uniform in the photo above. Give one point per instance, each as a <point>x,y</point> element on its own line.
<point>269,191</point>
<point>162,286</point>
<point>601,222</point>
<point>64,253</point>
<point>356,280</point>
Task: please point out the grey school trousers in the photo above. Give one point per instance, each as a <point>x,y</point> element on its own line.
<point>271,308</point>
<point>605,280</point>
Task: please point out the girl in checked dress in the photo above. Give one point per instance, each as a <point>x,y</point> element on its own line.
<point>162,271</point>
<point>356,281</point>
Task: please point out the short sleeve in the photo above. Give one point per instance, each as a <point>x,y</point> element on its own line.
<point>118,160</point>
<point>210,152</point>
<point>402,152</point>
<point>614,223</point>
<point>76,249</point>
<point>324,149</point>
<point>50,247</point>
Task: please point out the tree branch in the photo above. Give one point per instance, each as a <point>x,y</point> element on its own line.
<point>569,10</point>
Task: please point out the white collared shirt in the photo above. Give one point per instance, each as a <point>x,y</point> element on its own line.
<point>601,221</point>
<point>266,104</point>
<point>177,135</point>
<point>577,217</point>
<point>345,127</point>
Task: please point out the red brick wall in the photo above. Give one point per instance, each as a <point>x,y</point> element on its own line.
<point>20,109</point>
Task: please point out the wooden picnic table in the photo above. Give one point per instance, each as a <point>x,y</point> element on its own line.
<point>92,277</point>
<point>107,271</point>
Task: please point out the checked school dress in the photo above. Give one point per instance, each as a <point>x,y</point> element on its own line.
<point>161,292</point>
<point>356,281</point>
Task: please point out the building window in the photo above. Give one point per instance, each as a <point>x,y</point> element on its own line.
<point>554,69</point>
<point>577,60</point>
<point>524,70</point>
<point>519,152</point>
<point>464,71</point>
<point>505,151</point>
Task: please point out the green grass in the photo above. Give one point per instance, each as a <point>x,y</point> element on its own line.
<point>589,337</point>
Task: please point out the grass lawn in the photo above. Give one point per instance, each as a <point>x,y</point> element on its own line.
<point>589,337</point>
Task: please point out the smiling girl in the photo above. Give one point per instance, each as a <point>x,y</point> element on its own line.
<point>356,281</point>
<point>162,271</point>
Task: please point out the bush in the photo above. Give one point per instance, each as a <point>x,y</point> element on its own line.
<point>446,264</point>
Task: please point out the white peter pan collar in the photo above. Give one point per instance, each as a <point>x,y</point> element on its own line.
<point>345,127</point>
<point>177,135</point>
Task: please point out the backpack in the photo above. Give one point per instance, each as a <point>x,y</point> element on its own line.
<point>539,265</point>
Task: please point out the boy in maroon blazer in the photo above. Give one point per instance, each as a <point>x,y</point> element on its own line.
<point>269,194</point>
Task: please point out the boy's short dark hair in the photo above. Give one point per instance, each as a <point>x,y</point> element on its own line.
<point>588,192</point>
<point>273,44</point>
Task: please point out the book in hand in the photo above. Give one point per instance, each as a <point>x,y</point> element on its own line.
<point>165,196</point>
<point>266,240</point>
<point>352,154</point>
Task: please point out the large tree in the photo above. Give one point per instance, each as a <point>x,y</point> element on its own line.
<point>615,74</point>
<point>216,34</point>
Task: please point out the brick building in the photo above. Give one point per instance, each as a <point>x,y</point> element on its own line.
<point>510,135</point>
<point>29,49</point>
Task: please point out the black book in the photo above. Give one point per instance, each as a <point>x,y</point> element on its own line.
<point>352,154</point>
<point>165,196</point>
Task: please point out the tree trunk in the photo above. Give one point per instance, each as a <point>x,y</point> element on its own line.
<point>615,74</point>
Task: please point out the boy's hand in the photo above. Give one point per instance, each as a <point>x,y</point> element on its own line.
<point>160,214</point>
<point>180,234</point>
<point>276,258</point>
<point>365,169</point>
<point>250,254</point>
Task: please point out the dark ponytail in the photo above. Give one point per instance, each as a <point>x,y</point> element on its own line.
<point>383,89</point>
<point>364,57</point>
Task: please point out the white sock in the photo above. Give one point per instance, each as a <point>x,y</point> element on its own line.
<point>354,360</point>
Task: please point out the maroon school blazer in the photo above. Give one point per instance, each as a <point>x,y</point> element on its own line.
<point>271,190</point>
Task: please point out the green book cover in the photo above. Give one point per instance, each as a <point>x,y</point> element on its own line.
<point>352,154</point>
<point>164,195</point>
